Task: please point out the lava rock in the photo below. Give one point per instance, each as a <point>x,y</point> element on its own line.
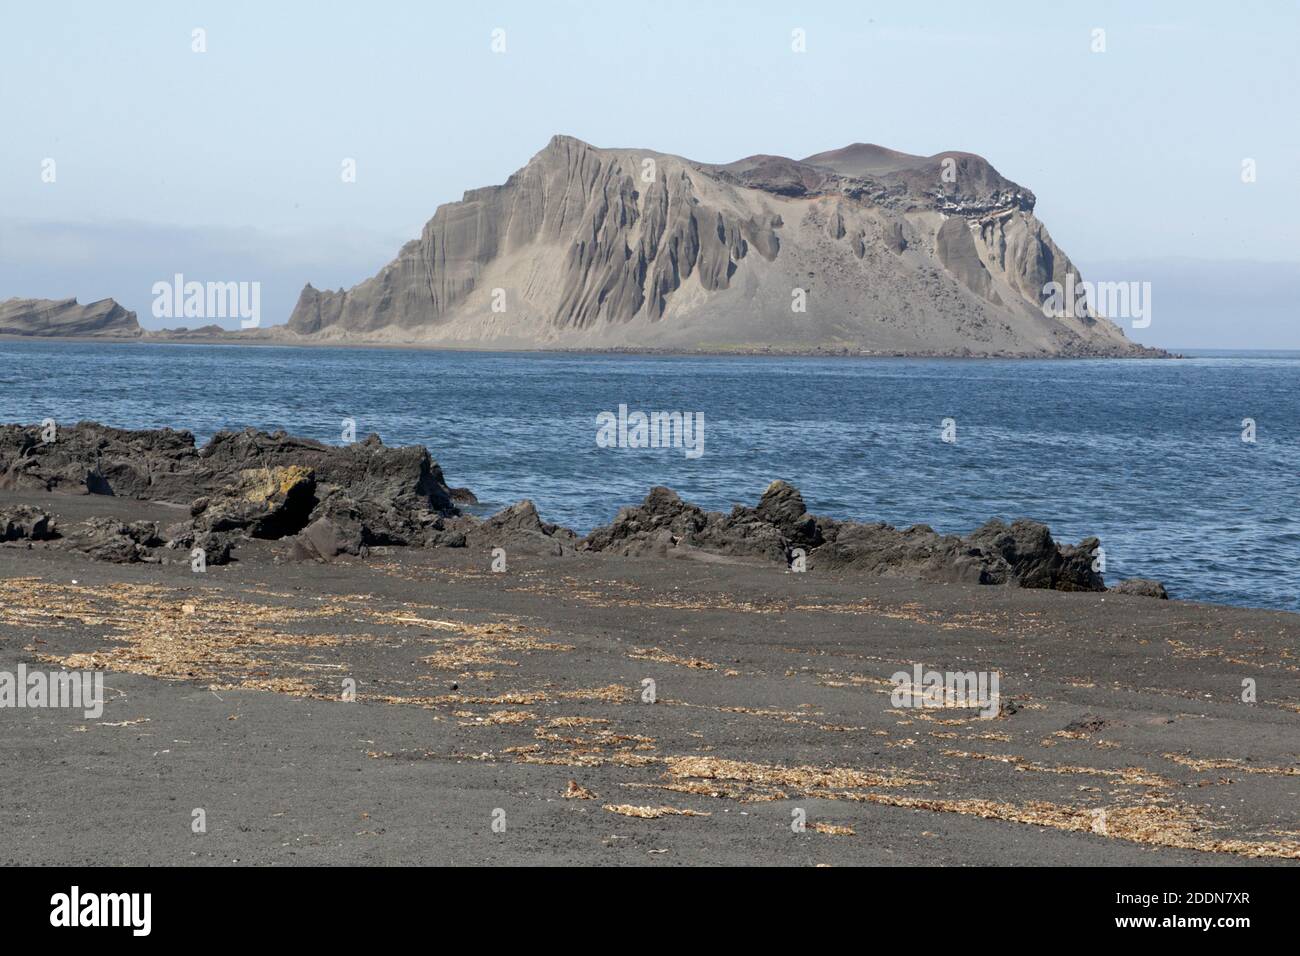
<point>665,526</point>
<point>1033,559</point>
<point>520,528</point>
<point>325,539</point>
<point>1142,587</point>
<point>216,547</point>
<point>1022,553</point>
<point>782,506</point>
<point>89,458</point>
<point>401,479</point>
<point>397,487</point>
<point>107,539</point>
<point>264,503</point>
<point>25,522</point>
<point>918,551</point>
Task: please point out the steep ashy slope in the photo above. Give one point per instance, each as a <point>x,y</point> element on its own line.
<point>64,317</point>
<point>858,249</point>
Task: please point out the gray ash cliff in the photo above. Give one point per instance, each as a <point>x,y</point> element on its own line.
<point>612,248</point>
<point>65,317</point>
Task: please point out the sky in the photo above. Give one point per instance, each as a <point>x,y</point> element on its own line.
<point>226,164</point>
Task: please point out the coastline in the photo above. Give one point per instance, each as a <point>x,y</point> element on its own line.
<point>1120,738</point>
<point>235,338</point>
<point>669,689</point>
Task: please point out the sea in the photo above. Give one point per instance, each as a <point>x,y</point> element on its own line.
<point>1188,470</point>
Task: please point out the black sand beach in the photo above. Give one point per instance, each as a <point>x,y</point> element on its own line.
<point>518,697</point>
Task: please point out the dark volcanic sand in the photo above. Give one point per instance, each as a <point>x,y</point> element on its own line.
<point>765,680</point>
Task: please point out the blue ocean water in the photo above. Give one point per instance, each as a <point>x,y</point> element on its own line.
<point>1148,455</point>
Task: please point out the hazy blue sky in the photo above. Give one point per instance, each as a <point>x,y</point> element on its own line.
<point>226,164</point>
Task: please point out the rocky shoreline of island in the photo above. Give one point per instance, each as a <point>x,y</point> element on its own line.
<point>65,320</point>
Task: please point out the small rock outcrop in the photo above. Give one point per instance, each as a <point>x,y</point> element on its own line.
<point>327,538</point>
<point>107,539</point>
<point>241,484</point>
<point>90,458</point>
<point>269,502</point>
<point>183,537</point>
<point>520,528</point>
<point>1022,553</point>
<point>1142,587</point>
<point>665,526</point>
<point>23,522</point>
